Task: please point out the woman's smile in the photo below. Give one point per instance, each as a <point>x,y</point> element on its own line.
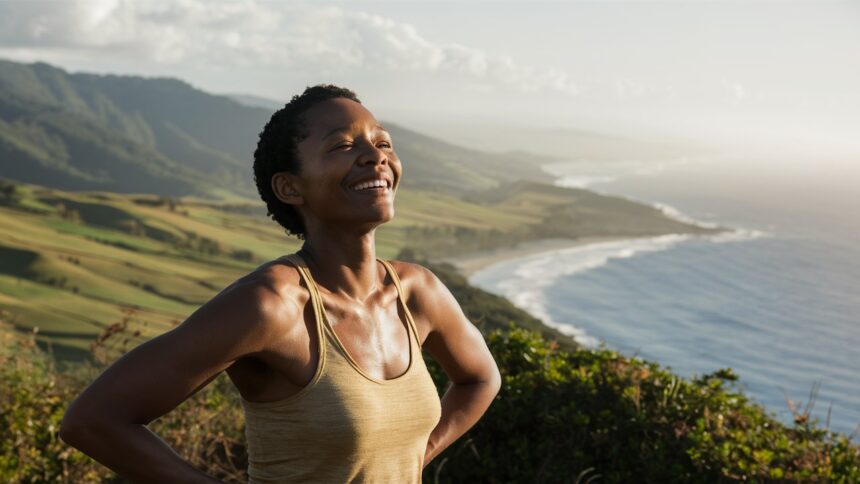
<point>374,185</point>
<point>380,191</point>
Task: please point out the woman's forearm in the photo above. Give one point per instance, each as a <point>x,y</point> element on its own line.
<point>135,453</point>
<point>462,407</point>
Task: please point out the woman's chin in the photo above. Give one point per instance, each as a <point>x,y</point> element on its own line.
<point>374,218</point>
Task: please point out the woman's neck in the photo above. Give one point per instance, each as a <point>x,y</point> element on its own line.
<point>345,266</point>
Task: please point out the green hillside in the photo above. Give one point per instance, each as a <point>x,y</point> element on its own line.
<point>72,262</point>
<point>129,134</point>
<point>523,211</point>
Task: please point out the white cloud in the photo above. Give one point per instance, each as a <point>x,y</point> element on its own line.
<point>734,91</point>
<point>629,88</point>
<point>254,34</point>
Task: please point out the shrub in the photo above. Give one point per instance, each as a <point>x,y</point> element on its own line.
<point>567,416</point>
<point>562,416</point>
<point>33,398</point>
<point>207,429</point>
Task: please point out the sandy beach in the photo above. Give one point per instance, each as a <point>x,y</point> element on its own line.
<point>470,263</point>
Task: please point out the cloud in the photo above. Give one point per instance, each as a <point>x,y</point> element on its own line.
<point>735,92</point>
<point>629,88</point>
<point>251,34</point>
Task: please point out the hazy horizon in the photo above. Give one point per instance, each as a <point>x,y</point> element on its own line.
<point>763,75</point>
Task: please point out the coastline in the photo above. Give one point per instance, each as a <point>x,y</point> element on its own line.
<point>470,263</point>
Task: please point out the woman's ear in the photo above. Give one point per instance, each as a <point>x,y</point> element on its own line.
<point>285,186</point>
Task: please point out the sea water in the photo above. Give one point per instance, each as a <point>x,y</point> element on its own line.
<point>777,299</point>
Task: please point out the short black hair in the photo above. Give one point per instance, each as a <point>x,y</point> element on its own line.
<point>276,150</point>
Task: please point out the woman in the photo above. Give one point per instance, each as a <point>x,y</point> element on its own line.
<point>323,345</point>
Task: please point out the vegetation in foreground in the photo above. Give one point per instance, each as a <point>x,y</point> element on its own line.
<point>564,414</point>
<point>597,416</point>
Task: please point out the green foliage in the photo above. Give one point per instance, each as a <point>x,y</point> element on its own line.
<point>561,416</point>
<point>199,243</point>
<point>207,429</point>
<point>564,416</point>
<point>33,398</point>
<point>9,194</point>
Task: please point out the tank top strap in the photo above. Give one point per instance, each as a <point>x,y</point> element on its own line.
<point>324,327</point>
<point>316,302</point>
<point>402,298</point>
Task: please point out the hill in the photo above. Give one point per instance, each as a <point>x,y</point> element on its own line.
<point>127,134</point>
<point>143,200</point>
<point>72,263</point>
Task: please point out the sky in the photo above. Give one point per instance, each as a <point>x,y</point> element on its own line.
<point>778,74</point>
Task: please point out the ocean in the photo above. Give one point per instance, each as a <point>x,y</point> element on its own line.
<point>777,299</point>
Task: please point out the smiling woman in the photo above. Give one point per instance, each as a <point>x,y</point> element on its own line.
<point>324,345</point>
<point>305,128</point>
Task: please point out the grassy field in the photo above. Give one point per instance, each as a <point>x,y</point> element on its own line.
<point>73,263</point>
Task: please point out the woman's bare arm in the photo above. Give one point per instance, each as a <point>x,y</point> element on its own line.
<point>460,349</point>
<point>108,420</point>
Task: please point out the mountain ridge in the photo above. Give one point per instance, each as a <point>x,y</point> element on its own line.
<point>83,131</point>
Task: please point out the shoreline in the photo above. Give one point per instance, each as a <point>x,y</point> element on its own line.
<point>471,263</point>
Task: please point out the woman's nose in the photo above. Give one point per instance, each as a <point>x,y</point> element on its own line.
<point>373,154</point>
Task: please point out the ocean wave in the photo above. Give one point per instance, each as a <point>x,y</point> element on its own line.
<point>738,235</point>
<point>582,181</point>
<point>675,214</point>
<point>584,173</point>
<point>734,235</point>
<point>524,281</point>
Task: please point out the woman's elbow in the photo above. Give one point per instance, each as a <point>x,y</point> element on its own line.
<point>74,428</point>
<point>80,426</point>
<point>496,382</point>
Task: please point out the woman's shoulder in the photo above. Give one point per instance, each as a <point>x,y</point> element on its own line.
<point>279,273</point>
<point>421,286</point>
<point>275,288</point>
<point>411,273</point>
<point>431,302</point>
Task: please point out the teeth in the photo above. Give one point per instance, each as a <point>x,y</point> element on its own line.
<point>370,184</point>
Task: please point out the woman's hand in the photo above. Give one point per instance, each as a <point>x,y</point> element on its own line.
<point>108,420</point>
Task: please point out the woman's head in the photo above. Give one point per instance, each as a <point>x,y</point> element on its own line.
<point>311,153</point>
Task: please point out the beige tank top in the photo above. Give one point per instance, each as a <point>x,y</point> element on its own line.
<point>345,426</point>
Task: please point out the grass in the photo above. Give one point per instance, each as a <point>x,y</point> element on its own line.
<point>69,260</point>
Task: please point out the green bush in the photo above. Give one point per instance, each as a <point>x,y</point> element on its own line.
<point>33,399</point>
<point>562,416</point>
<point>568,416</point>
<point>207,429</point>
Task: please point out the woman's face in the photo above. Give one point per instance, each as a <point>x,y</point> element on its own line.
<point>345,146</point>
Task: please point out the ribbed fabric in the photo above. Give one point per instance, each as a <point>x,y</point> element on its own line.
<point>345,426</point>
